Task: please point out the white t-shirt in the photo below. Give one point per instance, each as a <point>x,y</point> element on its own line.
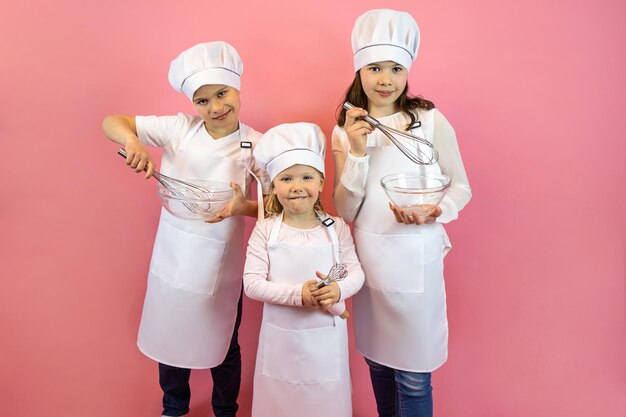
<point>172,134</point>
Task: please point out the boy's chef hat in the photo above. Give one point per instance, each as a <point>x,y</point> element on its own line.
<point>206,63</point>
<point>385,35</point>
<point>291,144</point>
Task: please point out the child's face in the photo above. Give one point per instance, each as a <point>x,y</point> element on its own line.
<point>383,82</point>
<point>218,105</point>
<point>297,188</point>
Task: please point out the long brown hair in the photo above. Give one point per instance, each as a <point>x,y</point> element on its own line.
<point>357,96</point>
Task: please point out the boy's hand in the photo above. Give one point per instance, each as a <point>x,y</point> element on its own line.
<point>138,157</point>
<point>236,206</point>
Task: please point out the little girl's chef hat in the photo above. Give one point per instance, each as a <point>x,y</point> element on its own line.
<point>206,63</point>
<point>385,35</point>
<point>291,144</point>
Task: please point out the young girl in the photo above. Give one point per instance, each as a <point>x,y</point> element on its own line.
<point>302,360</point>
<point>192,308</point>
<point>400,314</point>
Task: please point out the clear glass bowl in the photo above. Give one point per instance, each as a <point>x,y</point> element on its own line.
<point>188,203</point>
<point>414,191</point>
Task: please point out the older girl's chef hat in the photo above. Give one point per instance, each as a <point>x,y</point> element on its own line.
<point>291,144</point>
<point>206,63</point>
<point>385,35</point>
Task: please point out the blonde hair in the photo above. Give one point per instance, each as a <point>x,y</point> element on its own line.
<point>273,206</point>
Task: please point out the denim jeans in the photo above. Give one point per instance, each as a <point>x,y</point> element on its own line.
<point>401,393</point>
<point>226,382</point>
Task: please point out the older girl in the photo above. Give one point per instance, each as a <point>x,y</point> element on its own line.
<point>400,314</point>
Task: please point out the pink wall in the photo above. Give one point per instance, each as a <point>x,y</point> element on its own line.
<point>535,281</point>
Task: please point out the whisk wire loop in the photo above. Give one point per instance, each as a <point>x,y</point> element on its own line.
<point>407,143</point>
<point>183,190</point>
<point>338,272</point>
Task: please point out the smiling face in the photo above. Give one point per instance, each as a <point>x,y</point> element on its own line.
<point>383,82</point>
<point>298,188</point>
<point>218,105</point>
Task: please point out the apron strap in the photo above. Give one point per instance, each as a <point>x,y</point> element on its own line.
<point>329,225</point>
<point>425,131</point>
<point>275,229</point>
<point>245,156</point>
<point>246,160</point>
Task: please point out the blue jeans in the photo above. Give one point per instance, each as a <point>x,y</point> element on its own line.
<point>401,393</point>
<point>226,382</point>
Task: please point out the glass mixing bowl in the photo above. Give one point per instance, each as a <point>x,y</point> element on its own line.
<point>415,191</point>
<point>190,203</point>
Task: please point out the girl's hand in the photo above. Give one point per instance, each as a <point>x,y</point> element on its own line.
<point>138,157</point>
<point>328,294</point>
<point>357,130</point>
<point>236,206</point>
<point>413,217</point>
<point>307,298</point>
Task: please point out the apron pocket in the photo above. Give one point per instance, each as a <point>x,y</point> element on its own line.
<point>392,263</point>
<point>308,356</point>
<point>186,261</point>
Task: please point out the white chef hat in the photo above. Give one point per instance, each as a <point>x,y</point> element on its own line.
<point>385,35</point>
<point>291,144</point>
<point>206,63</point>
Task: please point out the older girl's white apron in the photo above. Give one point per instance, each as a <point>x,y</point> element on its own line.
<point>196,270</point>
<point>302,367</point>
<point>400,313</point>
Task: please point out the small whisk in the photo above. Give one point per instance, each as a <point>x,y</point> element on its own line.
<point>408,144</point>
<point>183,190</point>
<point>337,273</point>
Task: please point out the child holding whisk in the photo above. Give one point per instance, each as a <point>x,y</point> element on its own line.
<point>302,360</point>
<point>400,313</point>
<point>192,308</point>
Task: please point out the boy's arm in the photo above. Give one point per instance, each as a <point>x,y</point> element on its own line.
<point>122,129</point>
<point>237,206</point>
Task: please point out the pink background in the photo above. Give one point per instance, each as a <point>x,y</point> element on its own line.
<point>536,278</point>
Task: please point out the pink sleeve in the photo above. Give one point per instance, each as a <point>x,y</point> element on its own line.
<point>256,282</point>
<point>347,255</point>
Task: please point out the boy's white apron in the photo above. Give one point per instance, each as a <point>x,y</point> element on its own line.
<point>196,271</point>
<point>302,367</point>
<point>400,313</point>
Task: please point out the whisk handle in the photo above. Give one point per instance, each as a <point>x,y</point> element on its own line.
<point>368,119</point>
<point>321,284</point>
<point>348,105</point>
<point>121,152</point>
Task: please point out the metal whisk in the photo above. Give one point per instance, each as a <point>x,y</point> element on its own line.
<point>177,187</point>
<point>408,144</point>
<point>337,273</point>
<point>183,190</point>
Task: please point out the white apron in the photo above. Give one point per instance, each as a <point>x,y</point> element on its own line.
<point>196,270</point>
<point>302,367</point>
<point>400,313</point>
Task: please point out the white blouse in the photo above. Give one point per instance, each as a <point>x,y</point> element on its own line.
<point>351,172</point>
<point>257,282</point>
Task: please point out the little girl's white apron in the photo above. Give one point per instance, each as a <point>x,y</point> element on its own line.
<point>302,367</point>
